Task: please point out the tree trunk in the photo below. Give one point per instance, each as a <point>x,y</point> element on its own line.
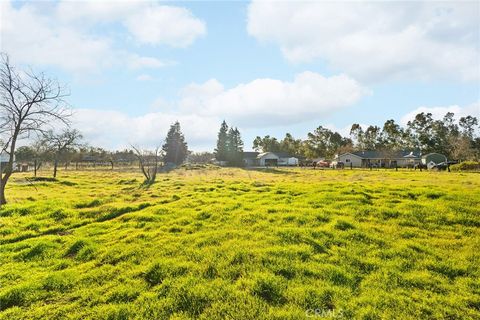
<point>3,200</point>
<point>55,165</point>
<point>8,169</point>
<point>35,168</point>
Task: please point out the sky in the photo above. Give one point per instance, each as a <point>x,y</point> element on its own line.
<point>268,68</point>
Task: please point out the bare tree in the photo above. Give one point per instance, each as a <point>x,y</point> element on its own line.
<point>148,162</point>
<point>60,143</point>
<point>28,103</point>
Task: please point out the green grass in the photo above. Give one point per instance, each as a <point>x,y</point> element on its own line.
<point>239,244</point>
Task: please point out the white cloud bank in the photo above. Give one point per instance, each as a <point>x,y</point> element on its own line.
<point>270,102</point>
<point>65,34</point>
<point>116,130</point>
<point>376,40</point>
<point>259,103</point>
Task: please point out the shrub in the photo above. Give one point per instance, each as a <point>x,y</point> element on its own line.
<point>466,166</point>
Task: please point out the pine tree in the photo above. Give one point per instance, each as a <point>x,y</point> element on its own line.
<point>234,148</point>
<point>222,141</point>
<point>175,147</point>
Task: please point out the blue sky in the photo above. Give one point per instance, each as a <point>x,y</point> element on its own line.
<point>269,68</point>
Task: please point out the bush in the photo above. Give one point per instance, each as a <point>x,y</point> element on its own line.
<point>466,166</point>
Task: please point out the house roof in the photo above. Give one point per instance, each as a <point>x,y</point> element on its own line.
<point>260,155</point>
<point>376,154</point>
<point>433,153</point>
<point>277,154</point>
<point>250,155</point>
<point>283,155</point>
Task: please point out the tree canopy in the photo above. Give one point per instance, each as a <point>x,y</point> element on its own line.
<point>175,147</point>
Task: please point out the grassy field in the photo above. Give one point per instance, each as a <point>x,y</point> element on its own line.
<point>239,244</point>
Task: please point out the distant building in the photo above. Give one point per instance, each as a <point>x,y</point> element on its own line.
<point>265,159</point>
<point>434,158</point>
<point>4,158</point>
<point>380,159</point>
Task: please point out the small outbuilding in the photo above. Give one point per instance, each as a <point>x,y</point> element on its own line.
<point>433,157</point>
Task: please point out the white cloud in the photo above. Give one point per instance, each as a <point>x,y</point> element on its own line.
<point>71,35</point>
<point>169,25</point>
<point>29,37</point>
<point>439,111</point>
<point>260,103</point>
<point>144,77</point>
<point>138,62</point>
<point>116,130</point>
<point>270,102</point>
<point>375,41</point>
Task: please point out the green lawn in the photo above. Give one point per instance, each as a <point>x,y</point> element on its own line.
<point>239,244</point>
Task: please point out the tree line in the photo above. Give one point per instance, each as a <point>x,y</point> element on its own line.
<point>459,140</point>
<point>30,102</point>
<point>229,148</point>
<point>32,105</point>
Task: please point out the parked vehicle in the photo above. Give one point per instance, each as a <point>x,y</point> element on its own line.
<point>323,164</point>
<point>440,166</point>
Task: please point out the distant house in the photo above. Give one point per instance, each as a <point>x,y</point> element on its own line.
<point>4,158</point>
<point>381,159</point>
<point>265,159</point>
<point>436,158</point>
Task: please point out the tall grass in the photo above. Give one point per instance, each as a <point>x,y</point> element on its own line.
<point>238,244</point>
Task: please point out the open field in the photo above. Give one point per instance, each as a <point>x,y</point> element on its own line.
<point>238,244</point>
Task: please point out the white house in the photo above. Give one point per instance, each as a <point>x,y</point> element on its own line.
<point>269,159</point>
<point>365,159</point>
<point>4,157</point>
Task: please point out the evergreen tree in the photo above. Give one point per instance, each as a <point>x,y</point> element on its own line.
<point>175,147</point>
<point>234,148</point>
<point>222,143</point>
